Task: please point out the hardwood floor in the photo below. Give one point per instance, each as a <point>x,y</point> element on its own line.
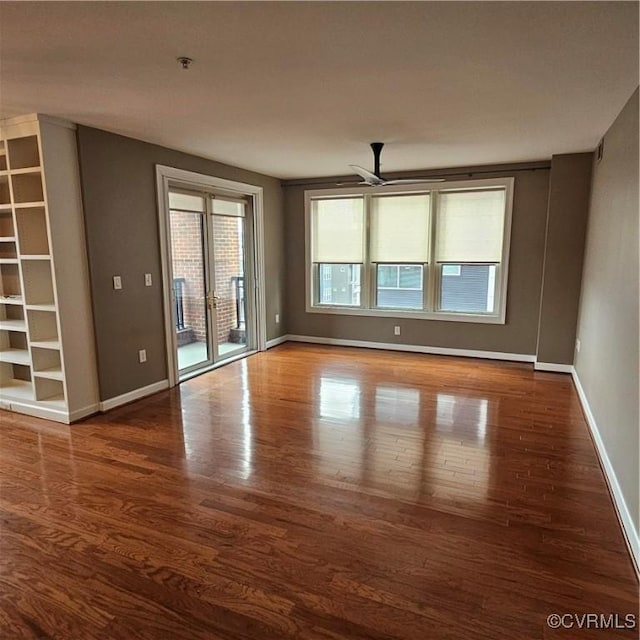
<point>315,493</point>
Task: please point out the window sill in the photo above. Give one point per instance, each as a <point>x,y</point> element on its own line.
<point>409,314</point>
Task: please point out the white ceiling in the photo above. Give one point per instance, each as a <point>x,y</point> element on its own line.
<point>299,89</point>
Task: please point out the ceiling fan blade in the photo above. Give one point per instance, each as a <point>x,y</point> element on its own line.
<point>413,180</point>
<point>367,176</point>
<point>375,180</point>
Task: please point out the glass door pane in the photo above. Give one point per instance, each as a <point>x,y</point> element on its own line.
<point>188,254</point>
<point>229,277</point>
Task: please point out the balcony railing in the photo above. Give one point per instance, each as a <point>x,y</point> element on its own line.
<point>238,284</point>
<point>179,285</point>
<point>178,307</point>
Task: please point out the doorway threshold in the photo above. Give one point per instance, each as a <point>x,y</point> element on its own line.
<point>192,374</point>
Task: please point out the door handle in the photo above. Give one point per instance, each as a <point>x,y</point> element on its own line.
<point>212,300</point>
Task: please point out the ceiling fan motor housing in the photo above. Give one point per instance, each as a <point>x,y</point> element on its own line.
<point>376,147</point>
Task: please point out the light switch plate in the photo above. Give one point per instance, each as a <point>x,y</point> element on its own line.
<point>147,280</point>
<point>117,282</point>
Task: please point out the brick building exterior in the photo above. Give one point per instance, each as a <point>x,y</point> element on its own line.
<point>188,263</point>
<point>227,251</point>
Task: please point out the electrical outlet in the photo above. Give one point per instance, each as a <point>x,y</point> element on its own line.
<point>577,345</point>
<point>142,355</point>
<point>117,282</point>
<point>147,280</point>
<point>396,330</point>
<point>277,318</point>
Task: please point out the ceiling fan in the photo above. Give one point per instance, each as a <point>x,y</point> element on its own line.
<point>376,180</point>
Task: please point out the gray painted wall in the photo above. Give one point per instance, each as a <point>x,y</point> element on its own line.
<point>518,335</point>
<point>119,192</point>
<point>569,191</point>
<point>608,362</point>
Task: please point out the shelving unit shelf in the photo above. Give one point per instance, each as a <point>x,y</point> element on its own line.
<point>13,325</point>
<point>47,357</point>
<point>15,356</point>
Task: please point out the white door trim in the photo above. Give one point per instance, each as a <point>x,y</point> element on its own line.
<point>164,175</point>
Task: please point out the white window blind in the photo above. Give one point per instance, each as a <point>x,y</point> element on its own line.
<point>227,207</point>
<point>338,230</point>
<point>470,226</point>
<point>186,202</point>
<point>400,228</point>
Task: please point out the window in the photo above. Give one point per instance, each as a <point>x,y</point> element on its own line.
<point>399,286</point>
<point>399,248</point>
<point>407,251</point>
<point>338,250</point>
<point>469,239</point>
<point>472,290</point>
<point>340,284</point>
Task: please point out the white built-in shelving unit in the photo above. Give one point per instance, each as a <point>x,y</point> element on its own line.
<point>47,353</point>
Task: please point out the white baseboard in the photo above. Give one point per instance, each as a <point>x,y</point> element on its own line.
<point>89,410</point>
<point>415,348</point>
<point>28,409</point>
<point>48,413</point>
<point>276,341</point>
<point>136,394</point>
<point>552,366</point>
<point>630,533</point>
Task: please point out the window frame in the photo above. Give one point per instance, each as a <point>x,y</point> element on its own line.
<point>431,270</point>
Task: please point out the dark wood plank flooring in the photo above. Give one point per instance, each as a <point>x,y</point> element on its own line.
<point>314,493</point>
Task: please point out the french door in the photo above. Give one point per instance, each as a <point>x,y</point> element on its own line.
<point>211,244</point>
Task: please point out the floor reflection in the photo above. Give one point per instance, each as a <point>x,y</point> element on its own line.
<point>389,436</point>
<point>397,405</point>
<point>462,415</point>
<point>212,403</point>
<point>245,421</point>
<point>339,398</point>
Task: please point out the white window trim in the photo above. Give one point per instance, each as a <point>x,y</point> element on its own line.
<point>430,279</point>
